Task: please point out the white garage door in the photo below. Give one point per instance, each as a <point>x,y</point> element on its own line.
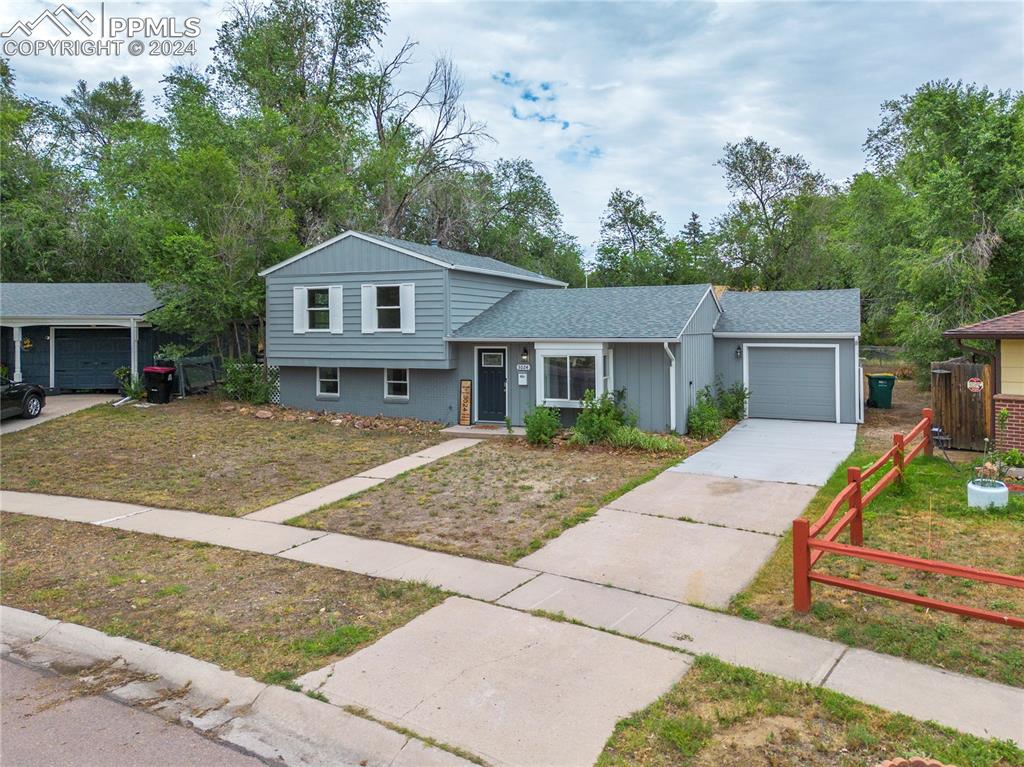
<point>792,382</point>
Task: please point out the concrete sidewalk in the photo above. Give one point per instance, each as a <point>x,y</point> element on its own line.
<point>275,724</point>
<point>303,504</point>
<point>972,705</point>
<point>463,575</point>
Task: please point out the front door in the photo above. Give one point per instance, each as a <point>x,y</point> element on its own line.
<point>490,384</point>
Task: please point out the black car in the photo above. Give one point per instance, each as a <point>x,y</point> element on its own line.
<point>24,399</point>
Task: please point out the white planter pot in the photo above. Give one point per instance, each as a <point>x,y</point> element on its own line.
<point>987,494</point>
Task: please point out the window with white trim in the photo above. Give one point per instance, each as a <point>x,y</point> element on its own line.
<point>396,383</point>
<point>389,307</point>
<point>318,309</point>
<point>328,382</point>
<point>566,370</point>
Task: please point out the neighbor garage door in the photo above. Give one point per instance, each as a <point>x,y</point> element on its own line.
<point>796,383</point>
<point>87,359</point>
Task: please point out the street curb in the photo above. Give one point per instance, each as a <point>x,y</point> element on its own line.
<point>266,720</point>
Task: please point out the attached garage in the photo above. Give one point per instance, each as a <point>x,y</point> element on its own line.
<point>73,336</point>
<point>796,352</point>
<point>793,382</point>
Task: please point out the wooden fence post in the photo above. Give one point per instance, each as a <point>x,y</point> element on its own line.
<point>801,566</point>
<point>929,415</point>
<point>857,523</point>
<point>897,459</point>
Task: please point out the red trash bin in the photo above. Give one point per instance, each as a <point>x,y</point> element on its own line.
<point>159,380</point>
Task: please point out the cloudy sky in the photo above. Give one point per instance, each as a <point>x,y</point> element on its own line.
<point>643,95</point>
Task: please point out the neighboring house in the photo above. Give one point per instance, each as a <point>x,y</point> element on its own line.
<point>369,324</point>
<point>1008,334</point>
<point>72,336</point>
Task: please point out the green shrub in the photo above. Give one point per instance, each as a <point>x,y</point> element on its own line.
<point>704,419</point>
<point>732,401</point>
<point>1014,458</point>
<point>132,386</point>
<point>542,424</point>
<point>246,380</point>
<point>599,417</point>
<point>632,438</point>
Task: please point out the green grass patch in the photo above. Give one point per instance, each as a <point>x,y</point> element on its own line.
<point>723,714</point>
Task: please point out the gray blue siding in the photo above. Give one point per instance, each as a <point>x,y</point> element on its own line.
<point>352,263</point>
<point>643,371</point>
<point>695,356</point>
<point>471,294</point>
<point>730,367</point>
<point>433,394</point>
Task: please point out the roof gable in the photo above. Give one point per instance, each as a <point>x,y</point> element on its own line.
<point>443,257</point>
<point>654,313</point>
<point>76,299</point>
<point>790,312</point>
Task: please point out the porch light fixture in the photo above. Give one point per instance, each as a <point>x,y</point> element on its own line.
<point>739,351</point>
<point>525,356</point>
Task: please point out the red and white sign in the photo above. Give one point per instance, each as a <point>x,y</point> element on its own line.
<point>975,385</point>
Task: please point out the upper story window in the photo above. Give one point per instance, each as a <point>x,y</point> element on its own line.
<point>389,307</point>
<point>318,308</point>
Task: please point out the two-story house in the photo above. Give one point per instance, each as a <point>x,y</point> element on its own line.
<point>369,324</point>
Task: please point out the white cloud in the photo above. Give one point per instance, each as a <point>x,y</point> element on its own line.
<point>651,91</point>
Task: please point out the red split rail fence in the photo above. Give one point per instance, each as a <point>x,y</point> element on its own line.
<point>810,545</point>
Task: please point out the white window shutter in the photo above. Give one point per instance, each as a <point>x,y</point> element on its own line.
<point>335,304</point>
<point>300,319</point>
<point>369,309</point>
<point>408,298</point>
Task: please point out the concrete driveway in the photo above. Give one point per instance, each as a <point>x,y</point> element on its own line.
<point>56,406</point>
<point>798,452</point>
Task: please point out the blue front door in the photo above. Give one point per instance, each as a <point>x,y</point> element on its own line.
<point>490,382</point>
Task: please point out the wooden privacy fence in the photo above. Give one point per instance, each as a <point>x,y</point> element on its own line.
<point>809,546</point>
<point>963,411</point>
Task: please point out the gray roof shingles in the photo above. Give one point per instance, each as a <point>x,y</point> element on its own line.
<point>76,299</point>
<point>806,312</point>
<point>458,258</point>
<point>655,312</point>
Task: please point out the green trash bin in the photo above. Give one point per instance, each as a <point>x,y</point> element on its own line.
<point>880,386</point>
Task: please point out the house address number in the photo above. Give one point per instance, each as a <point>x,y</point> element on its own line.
<point>523,366</point>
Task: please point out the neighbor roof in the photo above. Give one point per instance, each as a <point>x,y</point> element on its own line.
<point>1008,326</point>
<point>453,259</point>
<point>654,312</point>
<point>76,299</point>
<point>803,312</point>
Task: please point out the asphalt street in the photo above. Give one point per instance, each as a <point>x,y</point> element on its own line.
<point>46,722</point>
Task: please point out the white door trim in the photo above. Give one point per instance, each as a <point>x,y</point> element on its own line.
<point>746,367</point>
<point>476,371</point>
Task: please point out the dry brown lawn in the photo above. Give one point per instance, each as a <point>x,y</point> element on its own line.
<point>199,455</point>
<point>498,500</point>
<point>256,614</point>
